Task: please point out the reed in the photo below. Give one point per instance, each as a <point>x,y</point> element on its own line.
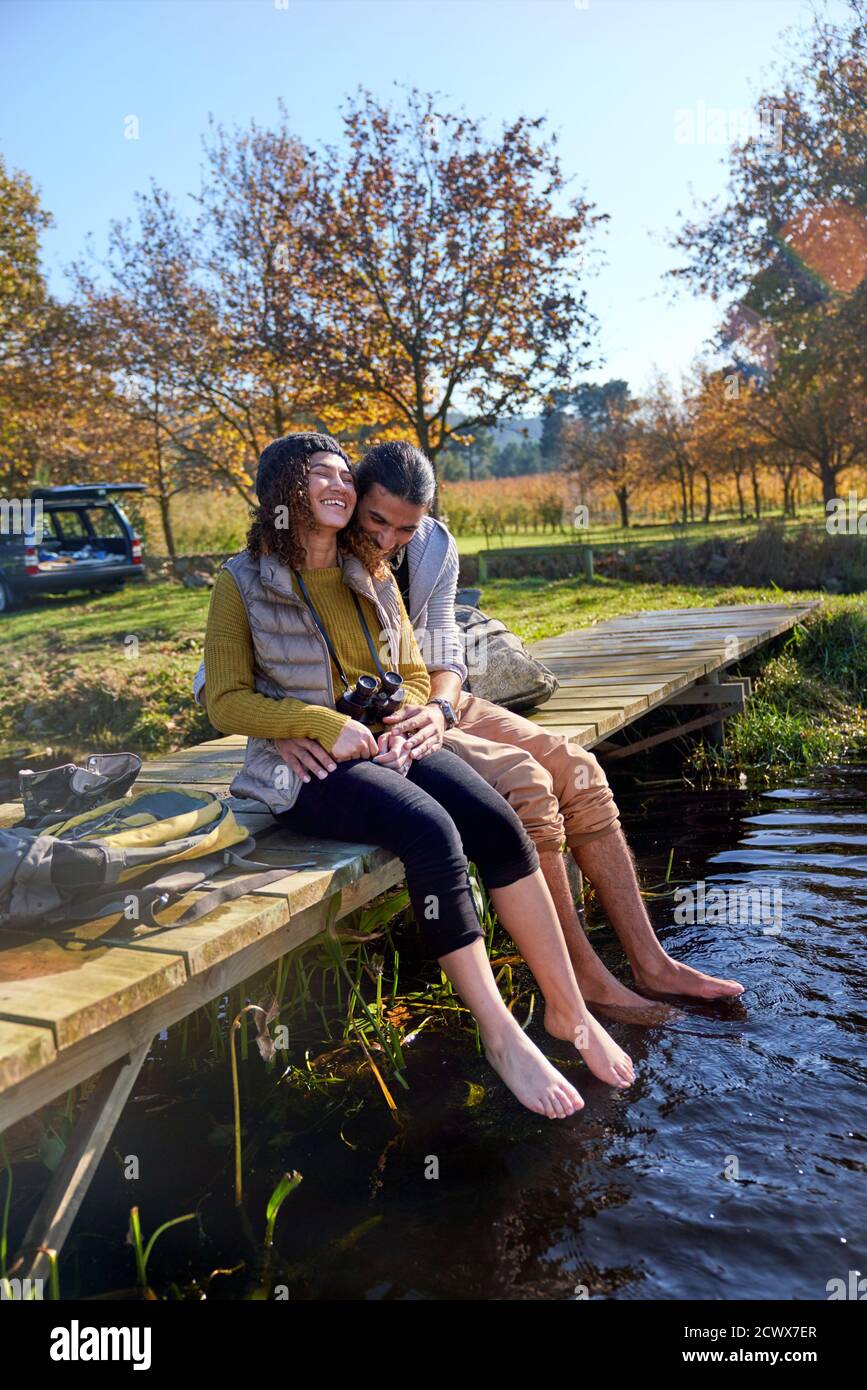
<point>143,1252</point>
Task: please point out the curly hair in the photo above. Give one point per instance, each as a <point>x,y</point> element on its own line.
<point>282,481</point>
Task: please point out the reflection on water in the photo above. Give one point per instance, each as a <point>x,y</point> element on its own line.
<point>733,1168</point>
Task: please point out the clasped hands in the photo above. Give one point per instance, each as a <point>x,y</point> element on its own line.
<point>416,731</point>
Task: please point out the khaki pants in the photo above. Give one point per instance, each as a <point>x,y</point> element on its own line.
<point>558,790</point>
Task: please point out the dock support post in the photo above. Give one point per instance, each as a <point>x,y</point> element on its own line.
<point>587,562</point>
<point>58,1209</point>
<point>714,732</point>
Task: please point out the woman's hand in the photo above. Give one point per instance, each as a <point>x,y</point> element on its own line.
<point>394,752</point>
<point>423,726</point>
<point>354,741</point>
<point>305,756</point>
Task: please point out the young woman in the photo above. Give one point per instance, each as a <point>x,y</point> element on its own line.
<point>295,620</point>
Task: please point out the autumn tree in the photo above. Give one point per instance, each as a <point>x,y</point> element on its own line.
<point>789,246</point>
<point>451,268</point>
<point>138,339</point>
<point>668,442</point>
<point>726,442</point>
<point>604,442</point>
<point>29,324</point>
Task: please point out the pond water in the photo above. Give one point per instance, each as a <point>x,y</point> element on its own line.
<point>734,1168</point>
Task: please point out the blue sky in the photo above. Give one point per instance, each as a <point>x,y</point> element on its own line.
<point>614,76</point>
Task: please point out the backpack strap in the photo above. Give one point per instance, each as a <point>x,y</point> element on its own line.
<point>160,893</point>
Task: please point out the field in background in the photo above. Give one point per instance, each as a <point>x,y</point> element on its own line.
<point>537,510</point>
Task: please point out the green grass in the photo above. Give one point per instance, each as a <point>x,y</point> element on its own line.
<point>106,672</point>
<point>114,671</point>
<point>537,608</point>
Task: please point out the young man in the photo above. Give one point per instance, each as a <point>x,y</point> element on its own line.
<point>558,790</point>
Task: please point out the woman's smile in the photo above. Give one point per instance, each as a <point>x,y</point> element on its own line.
<point>331,490</point>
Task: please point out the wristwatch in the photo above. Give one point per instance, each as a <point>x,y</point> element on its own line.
<point>447,708</point>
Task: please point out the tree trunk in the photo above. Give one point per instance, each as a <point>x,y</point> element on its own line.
<point>622,495</point>
<point>165,515</point>
<point>757,496</point>
<point>691,495</point>
<point>828,474</point>
<point>708,498</point>
<point>741,498</point>
<point>423,434</point>
<point>162,486</point>
<point>684,504</point>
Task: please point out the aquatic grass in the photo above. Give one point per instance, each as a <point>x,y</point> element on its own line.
<point>7,1202</point>
<point>285,1186</point>
<point>236,1097</point>
<point>384,1035</point>
<point>53,1272</point>
<point>143,1252</point>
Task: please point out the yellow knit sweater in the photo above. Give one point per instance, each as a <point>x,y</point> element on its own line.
<point>235,706</point>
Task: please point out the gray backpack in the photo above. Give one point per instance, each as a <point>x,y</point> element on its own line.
<point>113,858</point>
<point>500,667</point>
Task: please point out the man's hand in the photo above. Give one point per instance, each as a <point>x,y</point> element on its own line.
<point>394,752</point>
<point>422,726</point>
<point>305,756</point>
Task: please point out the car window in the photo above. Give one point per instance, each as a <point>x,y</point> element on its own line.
<point>70,526</point>
<point>75,527</point>
<point>104,521</point>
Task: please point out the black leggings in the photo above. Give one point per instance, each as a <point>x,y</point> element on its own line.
<point>434,819</point>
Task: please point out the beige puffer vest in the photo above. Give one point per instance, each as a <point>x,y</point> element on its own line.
<point>290,657</point>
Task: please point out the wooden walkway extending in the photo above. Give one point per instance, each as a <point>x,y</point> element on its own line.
<point>91,998</point>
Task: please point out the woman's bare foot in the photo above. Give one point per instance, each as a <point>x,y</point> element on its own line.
<point>599,1050</point>
<point>671,977</point>
<point>530,1076</point>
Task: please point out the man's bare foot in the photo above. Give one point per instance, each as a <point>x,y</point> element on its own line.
<point>651,1013</point>
<point>669,977</point>
<point>606,995</point>
<point>599,1050</point>
<point>530,1076</point>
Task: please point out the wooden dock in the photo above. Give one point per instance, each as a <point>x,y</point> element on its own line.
<point>90,999</point>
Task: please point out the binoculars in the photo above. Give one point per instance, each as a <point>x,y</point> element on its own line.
<point>371,699</point>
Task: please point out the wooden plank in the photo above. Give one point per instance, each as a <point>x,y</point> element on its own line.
<point>584,699</point>
<point>24,1050</point>
<point>239,924</point>
<point>90,1054</point>
<point>189,774</point>
<point>77,987</point>
<point>582,733</point>
<point>200,757</point>
<point>724,693</point>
